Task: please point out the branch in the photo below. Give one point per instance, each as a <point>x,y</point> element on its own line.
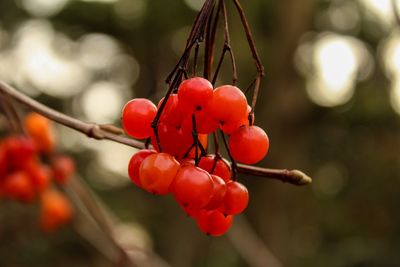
<point>95,131</point>
<point>99,223</point>
<point>250,246</point>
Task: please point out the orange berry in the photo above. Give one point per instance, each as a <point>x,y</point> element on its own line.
<point>55,211</point>
<point>40,129</point>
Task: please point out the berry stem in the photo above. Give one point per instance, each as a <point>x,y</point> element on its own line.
<point>12,114</point>
<point>196,56</point>
<point>227,47</point>
<point>10,118</point>
<point>233,162</point>
<point>254,52</point>
<point>210,44</point>
<point>217,154</point>
<point>195,140</point>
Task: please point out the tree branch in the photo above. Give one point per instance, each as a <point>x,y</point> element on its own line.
<point>93,130</point>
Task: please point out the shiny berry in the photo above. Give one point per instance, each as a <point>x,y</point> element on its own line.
<point>172,114</point>
<point>249,144</point>
<point>194,94</point>
<point>192,187</point>
<point>135,162</point>
<point>157,172</point>
<point>173,140</point>
<point>222,167</point>
<point>228,104</point>
<point>230,127</point>
<point>214,222</point>
<point>218,194</point>
<point>137,117</point>
<point>236,198</point>
<point>205,124</point>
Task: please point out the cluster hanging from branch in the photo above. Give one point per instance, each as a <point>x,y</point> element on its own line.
<point>179,128</point>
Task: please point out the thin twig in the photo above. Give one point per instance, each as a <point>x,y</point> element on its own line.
<point>10,118</point>
<point>94,131</point>
<point>256,57</point>
<point>210,43</point>
<point>227,47</point>
<point>250,246</point>
<point>104,222</point>
<point>233,162</point>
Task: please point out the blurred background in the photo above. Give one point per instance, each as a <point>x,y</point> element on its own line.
<point>330,103</point>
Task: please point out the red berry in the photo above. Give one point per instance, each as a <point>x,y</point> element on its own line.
<point>217,197</point>
<point>55,211</point>
<point>228,104</point>
<point>205,124</point>
<point>249,144</point>
<point>189,161</point>
<point>19,150</point>
<point>39,175</point>
<point>173,141</point>
<point>3,161</point>
<point>192,187</point>
<point>172,113</point>
<point>137,116</point>
<point>18,186</point>
<point>236,198</point>
<point>221,169</point>
<point>194,94</point>
<point>230,127</point>
<point>63,168</point>
<point>135,162</point>
<point>157,172</point>
<point>214,222</point>
<point>190,211</point>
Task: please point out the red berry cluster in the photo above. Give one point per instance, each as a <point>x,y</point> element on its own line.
<point>25,178</point>
<point>204,190</point>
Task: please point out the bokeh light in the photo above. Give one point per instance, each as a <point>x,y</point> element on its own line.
<point>332,64</point>
<point>390,58</point>
<point>380,11</point>
<point>194,4</point>
<point>102,102</point>
<point>43,8</point>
